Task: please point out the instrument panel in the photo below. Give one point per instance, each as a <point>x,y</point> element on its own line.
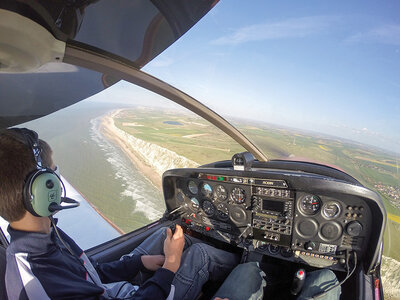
<point>271,215</point>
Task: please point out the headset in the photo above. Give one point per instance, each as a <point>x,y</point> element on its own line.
<point>43,188</point>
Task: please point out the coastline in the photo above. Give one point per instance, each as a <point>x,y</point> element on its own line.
<point>109,130</point>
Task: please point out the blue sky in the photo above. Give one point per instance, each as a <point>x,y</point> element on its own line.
<point>327,66</point>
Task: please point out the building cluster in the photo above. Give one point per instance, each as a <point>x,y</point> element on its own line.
<point>392,192</point>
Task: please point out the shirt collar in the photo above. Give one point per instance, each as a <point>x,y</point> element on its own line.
<point>31,242</point>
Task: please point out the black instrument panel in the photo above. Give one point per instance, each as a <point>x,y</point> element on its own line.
<point>289,217</point>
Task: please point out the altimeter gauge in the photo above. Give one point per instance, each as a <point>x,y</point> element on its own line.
<point>238,195</point>
<point>310,204</point>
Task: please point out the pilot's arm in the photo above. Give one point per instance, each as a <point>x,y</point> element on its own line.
<point>159,285</point>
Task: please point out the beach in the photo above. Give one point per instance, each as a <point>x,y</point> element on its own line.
<point>150,159</point>
<point>112,133</point>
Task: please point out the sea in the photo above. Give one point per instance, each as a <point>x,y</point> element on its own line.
<point>99,174</point>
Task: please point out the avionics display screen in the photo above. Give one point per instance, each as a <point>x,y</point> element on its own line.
<point>273,205</point>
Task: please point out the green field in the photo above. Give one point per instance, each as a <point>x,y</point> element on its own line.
<point>188,136</point>
<point>198,140</point>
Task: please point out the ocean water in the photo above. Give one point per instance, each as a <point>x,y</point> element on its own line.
<point>147,198</point>
<point>100,172</point>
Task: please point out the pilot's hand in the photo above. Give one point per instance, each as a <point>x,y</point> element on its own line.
<point>153,262</point>
<point>173,247</point>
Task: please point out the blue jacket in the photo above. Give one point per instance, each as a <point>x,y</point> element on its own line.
<point>39,266</point>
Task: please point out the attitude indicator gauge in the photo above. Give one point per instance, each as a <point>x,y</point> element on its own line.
<point>206,190</point>
<point>310,204</point>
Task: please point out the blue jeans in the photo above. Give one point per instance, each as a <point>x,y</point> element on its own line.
<point>246,282</point>
<point>200,262</point>
<point>319,281</point>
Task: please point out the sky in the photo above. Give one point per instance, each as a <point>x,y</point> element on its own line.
<point>326,66</point>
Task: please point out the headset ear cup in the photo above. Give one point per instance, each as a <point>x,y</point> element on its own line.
<point>27,195</point>
<point>42,188</point>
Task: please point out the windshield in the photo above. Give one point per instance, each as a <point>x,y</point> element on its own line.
<point>318,84</point>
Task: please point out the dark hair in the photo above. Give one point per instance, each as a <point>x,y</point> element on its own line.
<point>16,163</point>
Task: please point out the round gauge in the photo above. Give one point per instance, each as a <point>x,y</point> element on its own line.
<point>274,249</point>
<point>206,190</point>
<point>194,204</point>
<point>331,209</point>
<point>208,208</point>
<point>310,204</point>
<point>262,246</point>
<point>222,211</point>
<point>286,252</point>
<point>220,193</point>
<point>192,186</point>
<point>238,195</point>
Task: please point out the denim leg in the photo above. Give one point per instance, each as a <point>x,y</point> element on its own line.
<point>245,282</point>
<point>199,263</point>
<point>318,281</point>
<point>154,244</point>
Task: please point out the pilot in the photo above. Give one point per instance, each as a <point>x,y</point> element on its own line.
<point>43,262</point>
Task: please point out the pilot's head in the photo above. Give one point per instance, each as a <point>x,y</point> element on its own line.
<point>16,163</point>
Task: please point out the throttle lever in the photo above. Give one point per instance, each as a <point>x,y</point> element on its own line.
<point>298,282</point>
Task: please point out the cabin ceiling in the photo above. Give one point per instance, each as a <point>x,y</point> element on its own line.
<point>134,30</point>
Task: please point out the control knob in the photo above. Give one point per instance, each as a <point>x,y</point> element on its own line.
<point>354,228</point>
<point>310,246</point>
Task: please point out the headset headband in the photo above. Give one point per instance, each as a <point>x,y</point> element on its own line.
<point>31,139</point>
<point>43,187</point>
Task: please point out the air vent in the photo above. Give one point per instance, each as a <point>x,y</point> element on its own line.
<point>351,241</point>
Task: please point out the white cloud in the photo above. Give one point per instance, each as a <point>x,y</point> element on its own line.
<point>385,34</point>
<point>291,28</point>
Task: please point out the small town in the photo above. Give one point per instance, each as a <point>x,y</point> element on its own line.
<point>392,192</point>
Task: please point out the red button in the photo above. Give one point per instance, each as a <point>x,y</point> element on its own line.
<point>207,228</point>
<point>301,273</point>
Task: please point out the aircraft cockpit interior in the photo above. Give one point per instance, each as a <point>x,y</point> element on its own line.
<point>298,171</point>
<point>280,212</point>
